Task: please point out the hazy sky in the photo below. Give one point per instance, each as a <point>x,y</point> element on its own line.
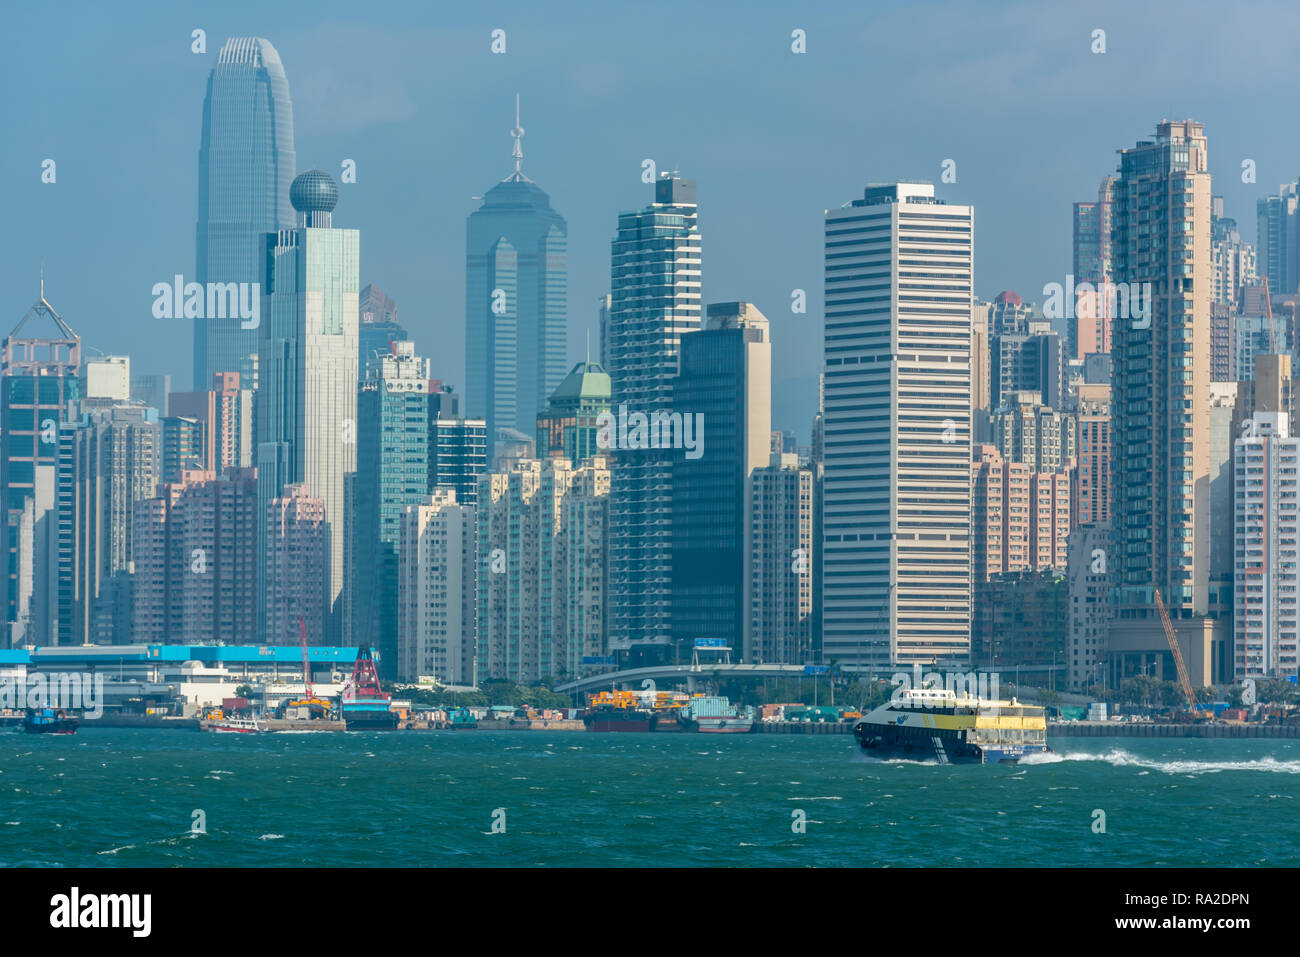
<point>411,91</point>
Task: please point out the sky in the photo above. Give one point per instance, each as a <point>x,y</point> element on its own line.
<point>1012,93</point>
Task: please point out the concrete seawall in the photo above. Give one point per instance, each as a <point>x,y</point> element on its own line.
<point>803,727</point>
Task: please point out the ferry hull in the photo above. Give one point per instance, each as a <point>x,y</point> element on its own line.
<point>369,719</point>
<point>63,726</point>
<point>940,746</point>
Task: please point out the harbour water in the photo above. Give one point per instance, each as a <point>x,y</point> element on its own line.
<point>129,797</point>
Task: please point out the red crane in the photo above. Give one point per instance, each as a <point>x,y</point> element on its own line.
<point>306,663</point>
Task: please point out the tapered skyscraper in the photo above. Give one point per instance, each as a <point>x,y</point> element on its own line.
<point>246,165</point>
<point>516,302</point>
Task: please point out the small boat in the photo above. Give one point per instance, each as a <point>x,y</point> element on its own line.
<point>49,721</point>
<point>710,714</point>
<point>235,725</point>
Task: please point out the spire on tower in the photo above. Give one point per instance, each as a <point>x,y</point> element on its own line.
<point>518,152</point>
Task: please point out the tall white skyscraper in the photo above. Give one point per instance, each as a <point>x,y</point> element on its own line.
<point>896,524</point>
<point>307,401</point>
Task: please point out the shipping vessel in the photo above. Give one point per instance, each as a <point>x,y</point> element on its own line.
<point>926,724</point>
<point>366,706</point>
<point>49,721</point>
<point>710,714</point>
<point>619,711</point>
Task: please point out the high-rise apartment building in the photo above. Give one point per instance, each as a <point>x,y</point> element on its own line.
<point>457,453</point>
<point>1266,604</point>
<point>195,555</point>
<point>246,165</point>
<point>896,549</point>
<point>541,579</point>
<point>655,301</point>
<point>781,561</point>
<point>436,591</point>
<point>1090,483</point>
<point>225,415</point>
<point>110,458</point>
<point>295,549</point>
<point>1161,375</point>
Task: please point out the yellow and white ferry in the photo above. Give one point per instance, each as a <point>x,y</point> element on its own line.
<point>935,724</point>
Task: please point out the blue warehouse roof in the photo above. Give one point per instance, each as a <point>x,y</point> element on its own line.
<point>280,654</point>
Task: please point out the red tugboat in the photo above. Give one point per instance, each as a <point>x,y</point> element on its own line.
<point>367,706</point>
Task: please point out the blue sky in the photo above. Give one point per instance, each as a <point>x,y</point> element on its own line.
<point>412,93</point>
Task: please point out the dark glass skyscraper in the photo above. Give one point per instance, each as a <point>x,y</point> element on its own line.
<point>246,165</point>
<point>516,302</point>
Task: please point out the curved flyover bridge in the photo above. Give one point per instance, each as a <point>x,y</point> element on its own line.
<point>689,674</point>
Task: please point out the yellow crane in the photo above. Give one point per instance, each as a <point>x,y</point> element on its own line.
<point>1183,678</point>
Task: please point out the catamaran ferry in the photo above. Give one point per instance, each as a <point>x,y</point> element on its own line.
<point>935,724</point>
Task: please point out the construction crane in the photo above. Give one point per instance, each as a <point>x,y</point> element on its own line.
<point>1268,310</point>
<point>1183,678</point>
<point>306,663</point>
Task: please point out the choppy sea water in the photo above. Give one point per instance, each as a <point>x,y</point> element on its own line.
<point>127,798</point>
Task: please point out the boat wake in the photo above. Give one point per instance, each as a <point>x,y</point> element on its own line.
<point>1120,758</point>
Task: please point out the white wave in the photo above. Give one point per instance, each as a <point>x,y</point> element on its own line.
<point>1120,758</point>
<point>271,837</point>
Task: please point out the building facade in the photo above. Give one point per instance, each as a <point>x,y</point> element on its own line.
<point>896,549</point>
<point>246,165</point>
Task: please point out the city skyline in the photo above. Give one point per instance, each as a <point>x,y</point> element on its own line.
<point>588,174</point>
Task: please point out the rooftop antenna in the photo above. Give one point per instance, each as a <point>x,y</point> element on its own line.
<point>518,151</point>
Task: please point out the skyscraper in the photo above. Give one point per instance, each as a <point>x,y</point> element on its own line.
<point>110,458</point>
<point>246,165</point>
<point>568,427</point>
<point>377,327</point>
<point>392,473</point>
<point>725,384</point>
<point>1090,320</point>
<point>655,300</point>
<point>436,591</point>
<point>40,373</point>
<point>1161,373</point>
<point>896,547</point>
<point>1278,249</point>
<point>307,401</point>
<point>516,302</point>
<point>1265,610</point>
